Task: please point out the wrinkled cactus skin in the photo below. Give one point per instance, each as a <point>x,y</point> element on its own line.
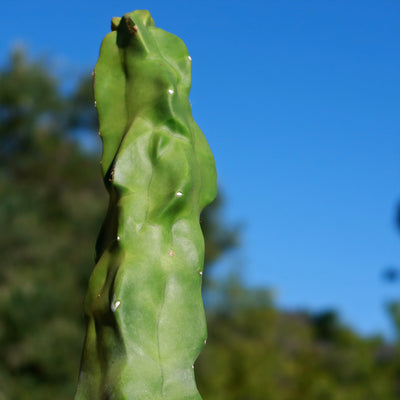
<point>144,311</point>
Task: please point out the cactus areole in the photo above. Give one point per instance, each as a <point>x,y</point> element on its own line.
<point>144,311</point>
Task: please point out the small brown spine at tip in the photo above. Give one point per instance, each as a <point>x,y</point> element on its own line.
<point>132,28</point>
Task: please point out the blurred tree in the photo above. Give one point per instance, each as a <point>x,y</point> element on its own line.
<point>260,353</point>
<point>51,203</point>
<point>326,325</point>
<point>398,217</point>
<point>392,273</point>
<point>218,237</point>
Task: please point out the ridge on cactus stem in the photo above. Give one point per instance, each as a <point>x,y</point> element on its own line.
<point>143,307</point>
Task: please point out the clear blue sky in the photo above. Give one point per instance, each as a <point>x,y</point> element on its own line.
<point>300,102</point>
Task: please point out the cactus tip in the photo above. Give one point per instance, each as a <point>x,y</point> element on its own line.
<point>115,23</point>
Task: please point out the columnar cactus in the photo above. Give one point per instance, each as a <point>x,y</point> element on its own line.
<point>144,311</point>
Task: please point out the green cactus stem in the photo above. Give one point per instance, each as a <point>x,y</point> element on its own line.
<point>144,311</point>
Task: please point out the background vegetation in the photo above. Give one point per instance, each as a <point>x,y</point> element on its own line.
<point>52,203</point>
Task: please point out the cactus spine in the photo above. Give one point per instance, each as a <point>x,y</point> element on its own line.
<point>144,311</point>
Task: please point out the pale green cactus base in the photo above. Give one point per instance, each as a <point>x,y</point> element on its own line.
<point>144,311</point>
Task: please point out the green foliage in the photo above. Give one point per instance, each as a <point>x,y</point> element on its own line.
<point>260,353</point>
<point>144,310</point>
<point>51,202</point>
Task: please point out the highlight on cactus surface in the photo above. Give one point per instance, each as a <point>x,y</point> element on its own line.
<point>143,307</point>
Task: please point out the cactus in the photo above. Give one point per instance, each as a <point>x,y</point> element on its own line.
<point>143,307</point>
